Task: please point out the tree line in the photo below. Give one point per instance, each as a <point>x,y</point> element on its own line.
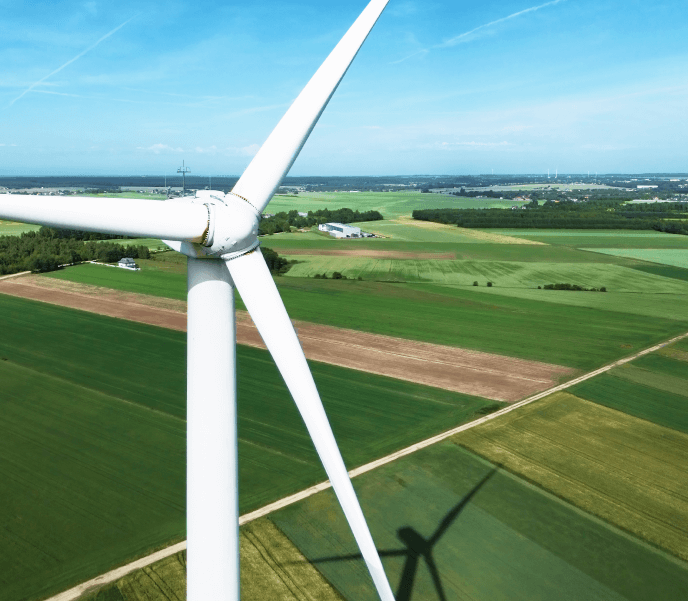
<point>606,213</point>
<point>283,222</point>
<point>47,249</point>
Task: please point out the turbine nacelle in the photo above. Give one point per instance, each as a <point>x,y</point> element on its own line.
<point>232,228</point>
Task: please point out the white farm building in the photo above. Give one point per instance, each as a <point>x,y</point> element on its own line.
<point>339,230</point>
<point>128,263</point>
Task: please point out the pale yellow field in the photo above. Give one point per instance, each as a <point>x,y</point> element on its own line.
<point>466,232</point>
<point>272,568</point>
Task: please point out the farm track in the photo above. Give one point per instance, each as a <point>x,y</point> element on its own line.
<point>114,575</point>
<point>476,373</point>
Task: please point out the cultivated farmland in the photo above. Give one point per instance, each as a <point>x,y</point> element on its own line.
<point>92,422</point>
<point>390,204</point>
<point>626,470</point>
<point>489,534</point>
<point>583,337</point>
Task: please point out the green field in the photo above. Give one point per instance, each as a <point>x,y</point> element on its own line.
<point>675,257</point>
<point>92,422</point>
<point>390,204</point>
<point>628,471</point>
<point>503,274</point>
<point>157,281</point>
<point>638,398</point>
<point>575,336</point>
<point>10,228</point>
<point>600,238</point>
<point>496,538</point>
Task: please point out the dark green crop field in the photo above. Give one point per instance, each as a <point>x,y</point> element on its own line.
<point>489,535</point>
<point>87,480</point>
<point>628,471</point>
<point>662,364</point>
<point>549,331</point>
<point>92,418</point>
<point>640,400</point>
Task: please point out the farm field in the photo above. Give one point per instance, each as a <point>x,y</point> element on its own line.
<point>675,257</point>
<point>599,238</point>
<point>491,535</point>
<point>625,470</point>
<point>390,204</point>
<point>503,274</point>
<point>10,228</point>
<point>93,421</point>
<point>579,337</point>
<point>271,568</point>
<point>638,397</point>
<point>476,249</point>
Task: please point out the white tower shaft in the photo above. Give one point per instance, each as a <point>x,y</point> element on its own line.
<point>212,473</point>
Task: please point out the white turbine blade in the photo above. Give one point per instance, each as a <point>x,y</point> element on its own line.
<point>125,216</point>
<point>259,293</point>
<point>274,159</point>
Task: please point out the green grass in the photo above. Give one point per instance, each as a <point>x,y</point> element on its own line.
<point>655,305</point>
<point>503,274</point>
<point>503,539</point>
<point>87,480</point>
<point>638,399</point>
<point>665,365</point>
<point>157,282</point>
<point>599,238</point>
<point>665,271</point>
<point>390,204</point>
<point>628,471</point>
<point>92,422</point>
<point>10,228</point>
<point>653,379</point>
<point>545,330</point>
<point>676,257</point>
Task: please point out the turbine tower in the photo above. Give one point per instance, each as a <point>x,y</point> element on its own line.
<point>218,233</point>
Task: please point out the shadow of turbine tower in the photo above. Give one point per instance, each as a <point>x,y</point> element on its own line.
<point>417,547</point>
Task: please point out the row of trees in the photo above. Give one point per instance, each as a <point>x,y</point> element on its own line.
<point>599,214</point>
<point>42,251</point>
<point>283,222</point>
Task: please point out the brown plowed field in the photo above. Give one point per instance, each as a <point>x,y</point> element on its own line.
<point>368,253</point>
<point>470,372</point>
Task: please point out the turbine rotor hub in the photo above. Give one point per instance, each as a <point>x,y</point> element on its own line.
<point>232,227</point>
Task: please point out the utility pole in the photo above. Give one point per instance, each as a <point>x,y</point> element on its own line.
<point>183,170</point>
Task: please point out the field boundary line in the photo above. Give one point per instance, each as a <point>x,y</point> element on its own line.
<point>14,275</point>
<point>117,573</point>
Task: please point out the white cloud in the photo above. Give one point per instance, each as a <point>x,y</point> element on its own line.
<point>250,150</point>
<point>160,148</point>
<point>450,145</point>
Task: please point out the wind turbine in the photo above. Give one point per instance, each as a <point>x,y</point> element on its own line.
<point>218,233</point>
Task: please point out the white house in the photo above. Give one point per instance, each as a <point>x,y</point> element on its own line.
<point>339,230</point>
<point>128,263</point>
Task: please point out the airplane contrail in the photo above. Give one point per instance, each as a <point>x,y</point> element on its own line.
<point>462,38</point>
<point>459,38</point>
<point>69,62</point>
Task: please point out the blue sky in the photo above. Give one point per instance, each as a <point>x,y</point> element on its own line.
<point>440,87</point>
